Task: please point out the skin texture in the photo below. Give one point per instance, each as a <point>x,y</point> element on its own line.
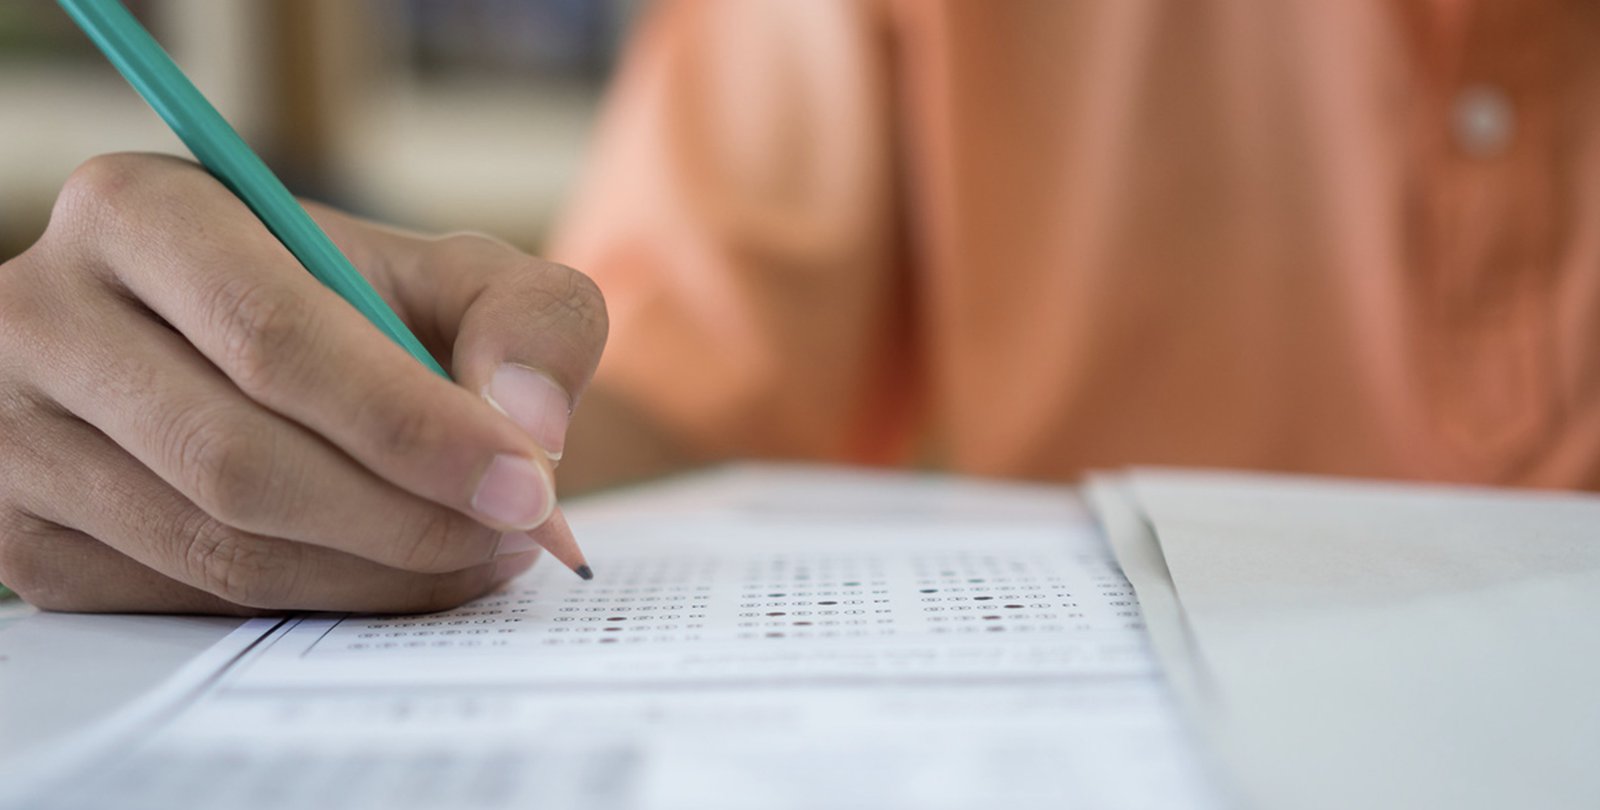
<point>189,422</point>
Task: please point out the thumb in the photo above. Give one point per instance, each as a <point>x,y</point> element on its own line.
<point>523,333</point>
<point>533,399</point>
<point>528,338</point>
<point>529,343</point>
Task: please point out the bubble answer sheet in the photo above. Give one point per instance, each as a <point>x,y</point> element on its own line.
<point>756,638</point>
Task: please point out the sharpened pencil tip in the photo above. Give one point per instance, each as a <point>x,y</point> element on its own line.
<point>584,572</point>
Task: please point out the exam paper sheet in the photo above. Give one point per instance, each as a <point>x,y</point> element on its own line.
<point>925,649</point>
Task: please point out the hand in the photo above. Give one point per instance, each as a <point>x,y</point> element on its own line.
<point>189,422</point>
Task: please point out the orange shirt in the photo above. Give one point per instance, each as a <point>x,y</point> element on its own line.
<point>1030,238</point>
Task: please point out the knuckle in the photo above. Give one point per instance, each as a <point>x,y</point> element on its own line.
<point>23,568</point>
<point>99,186</point>
<point>262,329</point>
<point>235,567</point>
<point>114,192</point>
<point>30,304</point>
<point>27,418</point>
<point>28,566</point>
<point>564,296</point>
<point>579,302</point>
<point>111,188</point>
<point>227,469</point>
<point>438,540</point>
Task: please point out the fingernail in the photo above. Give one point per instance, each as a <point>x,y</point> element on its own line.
<point>515,543</point>
<point>515,492</point>
<point>535,402</point>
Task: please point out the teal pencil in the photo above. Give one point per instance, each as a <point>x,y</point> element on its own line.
<point>147,67</point>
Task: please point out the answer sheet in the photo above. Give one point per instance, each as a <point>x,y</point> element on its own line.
<point>745,655</point>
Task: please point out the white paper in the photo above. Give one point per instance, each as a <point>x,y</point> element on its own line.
<point>1387,646</point>
<point>739,655</point>
<point>1130,535</point>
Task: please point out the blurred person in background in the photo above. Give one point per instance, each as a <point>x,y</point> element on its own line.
<point>1027,239</point>
<point>1018,239</point>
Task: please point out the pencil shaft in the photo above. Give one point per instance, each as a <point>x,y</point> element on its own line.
<point>147,67</point>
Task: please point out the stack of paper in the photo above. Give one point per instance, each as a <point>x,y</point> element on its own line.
<point>1363,645</point>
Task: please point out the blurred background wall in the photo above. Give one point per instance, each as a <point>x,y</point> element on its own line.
<point>432,114</point>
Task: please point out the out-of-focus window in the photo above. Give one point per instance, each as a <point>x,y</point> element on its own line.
<point>574,39</point>
<point>468,114</point>
<point>434,114</point>
<point>60,102</point>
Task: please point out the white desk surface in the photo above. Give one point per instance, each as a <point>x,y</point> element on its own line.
<point>60,672</point>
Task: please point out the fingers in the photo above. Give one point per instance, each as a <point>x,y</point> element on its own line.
<point>141,517</point>
<point>528,334</point>
<point>248,468</point>
<point>195,424</point>
<point>294,347</point>
<point>65,570</point>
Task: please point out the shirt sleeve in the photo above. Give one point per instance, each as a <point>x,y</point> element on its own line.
<point>739,213</point>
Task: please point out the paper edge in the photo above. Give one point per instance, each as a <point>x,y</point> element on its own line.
<point>31,774</point>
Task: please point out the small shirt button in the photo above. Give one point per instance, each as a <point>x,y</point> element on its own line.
<point>1483,121</point>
